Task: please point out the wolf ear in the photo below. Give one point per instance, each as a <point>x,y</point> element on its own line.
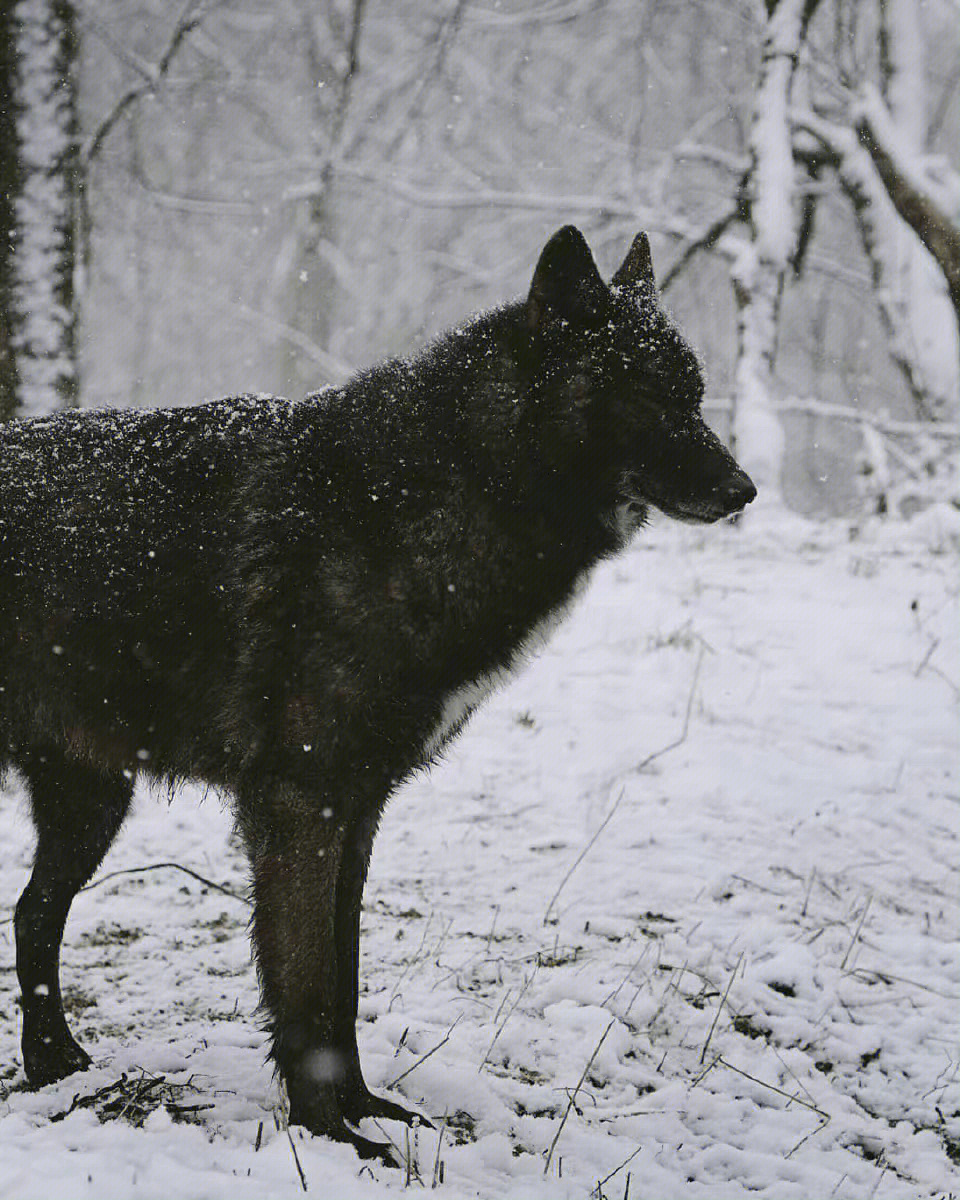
<point>566,282</point>
<point>636,272</point>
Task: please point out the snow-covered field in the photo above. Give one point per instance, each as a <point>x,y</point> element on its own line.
<point>678,916</point>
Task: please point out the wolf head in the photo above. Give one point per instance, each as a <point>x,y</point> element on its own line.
<point>617,391</point>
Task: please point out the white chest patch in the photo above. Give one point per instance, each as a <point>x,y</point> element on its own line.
<point>462,701</point>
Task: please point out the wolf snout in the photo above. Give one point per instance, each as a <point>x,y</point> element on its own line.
<point>735,493</point>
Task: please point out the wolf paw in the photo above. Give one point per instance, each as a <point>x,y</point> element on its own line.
<point>46,1060</point>
<point>340,1131</point>
<point>363,1103</point>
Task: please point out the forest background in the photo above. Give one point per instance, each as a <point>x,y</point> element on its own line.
<point>225,196</point>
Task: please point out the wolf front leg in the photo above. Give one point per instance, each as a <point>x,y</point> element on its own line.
<point>356,1099</point>
<point>295,840</point>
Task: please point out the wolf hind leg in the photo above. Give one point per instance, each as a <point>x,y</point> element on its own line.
<point>77,811</point>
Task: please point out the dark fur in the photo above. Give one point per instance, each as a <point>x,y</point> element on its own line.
<point>278,598</point>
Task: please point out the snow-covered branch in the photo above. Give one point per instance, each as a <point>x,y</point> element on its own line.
<point>921,198</point>
<point>714,236</point>
<point>945,430</point>
<point>579,204</point>
<point>909,308</point>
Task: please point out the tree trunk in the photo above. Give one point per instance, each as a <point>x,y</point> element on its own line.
<point>895,203</point>
<point>774,227</point>
<point>919,210</point>
<point>9,186</point>
<point>891,121</point>
<point>918,318</point>
<point>47,205</point>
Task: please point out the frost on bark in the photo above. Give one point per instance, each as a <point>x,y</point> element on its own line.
<point>8,191</point>
<point>774,227</point>
<point>45,211</point>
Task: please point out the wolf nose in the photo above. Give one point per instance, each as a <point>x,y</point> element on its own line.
<point>736,493</point>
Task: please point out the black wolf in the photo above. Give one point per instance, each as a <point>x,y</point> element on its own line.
<point>301,602</point>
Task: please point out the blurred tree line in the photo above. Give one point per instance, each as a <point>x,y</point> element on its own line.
<point>264,197</point>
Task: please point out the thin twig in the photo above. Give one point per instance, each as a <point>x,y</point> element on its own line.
<point>446,1038</point>
<point>436,1161</point>
<point>926,658</point>
<point>824,1122</point>
<point>573,1094</point>
<point>806,898</point>
<point>863,917</point>
<point>721,1061</point>
<point>607,206</point>
<point>845,412</point>
<point>705,240</point>
<point>611,996</point>
<point>637,770</point>
<point>617,1170</point>
<point>412,962</point>
<point>443,38</point>
<point>705,1072</point>
<point>189,20</point>
<point>673,984</point>
<point>583,854</point>
<point>723,1000</point>
<point>167,866</point>
<point>296,1159</point>
<point>642,766</point>
<point>493,925</point>
<point>503,1025</point>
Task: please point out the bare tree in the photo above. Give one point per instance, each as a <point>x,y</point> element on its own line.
<point>892,125</point>
<point>816,113</point>
<point>43,172</point>
<point>310,265</point>
<point>920,196</point>
<point>319,184</point>
<point>874,139</point>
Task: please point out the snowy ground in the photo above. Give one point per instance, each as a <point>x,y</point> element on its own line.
<point>744,950</point>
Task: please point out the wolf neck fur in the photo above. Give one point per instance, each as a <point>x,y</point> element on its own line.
<point>463,416</point>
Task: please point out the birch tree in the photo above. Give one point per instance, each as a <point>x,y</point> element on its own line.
<point>46,206</point>
<point>773,216</point>
<point>9,175</point>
